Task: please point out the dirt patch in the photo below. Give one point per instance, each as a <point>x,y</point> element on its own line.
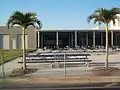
<point>36,80</point>
<point>73,79</point>
<point>20,71</point>
<point>102,71</point>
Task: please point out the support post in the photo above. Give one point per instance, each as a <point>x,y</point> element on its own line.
<point>75,39</point>
<point>57,40</point>
<point>38,39</point>
<point>101,38</point>
<point>94,39</point>
<point>72,39</point>
<point>87,39</point>
<point>112,38</point>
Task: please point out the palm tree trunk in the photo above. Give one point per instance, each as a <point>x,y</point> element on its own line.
<point>23,44</point>
<point>106,63</point>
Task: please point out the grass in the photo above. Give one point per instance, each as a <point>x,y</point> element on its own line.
<point>11,54</point>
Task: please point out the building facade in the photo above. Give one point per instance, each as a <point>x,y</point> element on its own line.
<point>12,38</point>
<point>35,38</point>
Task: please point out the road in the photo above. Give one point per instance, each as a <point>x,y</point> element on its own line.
<point>50,86</point>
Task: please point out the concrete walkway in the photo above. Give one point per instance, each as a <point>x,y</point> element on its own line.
<point>69,71</point>
<point>9,66</point>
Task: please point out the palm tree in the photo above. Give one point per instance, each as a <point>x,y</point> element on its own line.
<point>24,20</point>
<point>105,16</point>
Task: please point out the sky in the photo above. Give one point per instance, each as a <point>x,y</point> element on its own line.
<point>57,14</point>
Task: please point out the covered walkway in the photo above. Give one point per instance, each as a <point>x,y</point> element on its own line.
<point>76,38</point>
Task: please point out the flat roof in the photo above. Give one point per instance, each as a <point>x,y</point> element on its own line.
<point>18,30</point>
<point>72,30</point>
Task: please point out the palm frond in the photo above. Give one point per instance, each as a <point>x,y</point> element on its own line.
<point>98,10</point>
<point>15,18</point>
<point>39,24</point>
<point>117,10</point>
<point>31,19</point>
<point>24,19</point>
<point>92,16</point>
<point>104,15</point>
<point>113,21</point>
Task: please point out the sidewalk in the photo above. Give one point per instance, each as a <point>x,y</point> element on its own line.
<point>9,66</point>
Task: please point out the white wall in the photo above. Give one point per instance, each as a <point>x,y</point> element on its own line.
<point>19,41</point>
<point>6,42</point>
<point>13,43</point>
<point>10,43</point>
<point>117,24</point>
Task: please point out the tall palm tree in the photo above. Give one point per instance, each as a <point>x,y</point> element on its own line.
<point>105,16</point>
<point>24,20</point>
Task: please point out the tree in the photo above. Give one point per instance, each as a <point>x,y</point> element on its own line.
<point>24,20</point>
<point>105,16</point>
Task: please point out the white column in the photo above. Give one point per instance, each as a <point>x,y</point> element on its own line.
<point>94,38</point>
<point>101,38</point>
<point>87,38</point>
<point>111,38</point>
<point>38,39</point>
<point>75,39</point>
<point>57,40</point>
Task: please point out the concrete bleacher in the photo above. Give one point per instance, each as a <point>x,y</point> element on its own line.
<point>43,57</point>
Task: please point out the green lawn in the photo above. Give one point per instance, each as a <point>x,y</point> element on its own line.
<point>12,54</point>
